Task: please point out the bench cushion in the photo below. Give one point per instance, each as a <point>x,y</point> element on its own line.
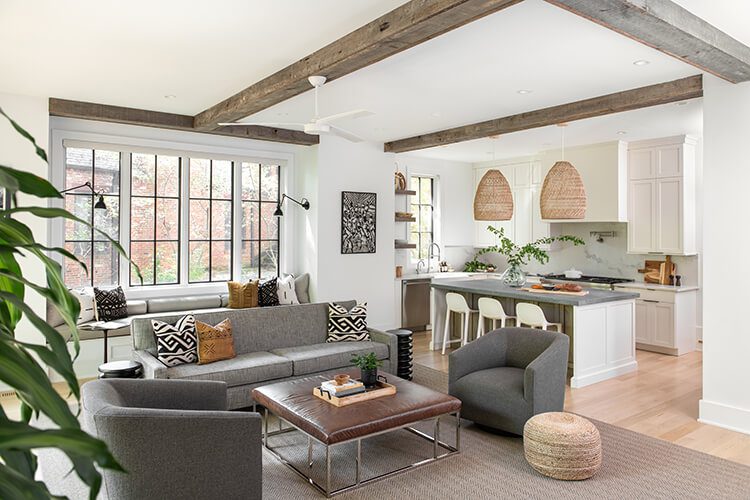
<point>329,356</point>
<point>244,369</point>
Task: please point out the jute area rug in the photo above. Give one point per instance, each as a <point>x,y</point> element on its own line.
<point>493,466</point>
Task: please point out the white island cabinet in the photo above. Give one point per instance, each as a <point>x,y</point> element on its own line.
<point>600,325</point>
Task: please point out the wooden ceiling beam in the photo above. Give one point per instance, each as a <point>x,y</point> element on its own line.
<point>652,95</point>
<point>158,119</point>
<point>402,28</point>
<point>672,29</point>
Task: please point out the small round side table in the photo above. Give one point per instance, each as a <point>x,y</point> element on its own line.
<point>404,369</point>
<point>121,369</point>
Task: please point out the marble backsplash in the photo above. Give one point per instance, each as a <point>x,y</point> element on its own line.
<point>609,258</point>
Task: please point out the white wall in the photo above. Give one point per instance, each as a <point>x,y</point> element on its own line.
<point>453,208</point>
<point>305,238</point>
<point>16,152</point>
<point>346,166</point>
<point>726,177</point>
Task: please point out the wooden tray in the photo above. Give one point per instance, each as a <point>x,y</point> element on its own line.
<point>382,389</point>
<point>557,292</point>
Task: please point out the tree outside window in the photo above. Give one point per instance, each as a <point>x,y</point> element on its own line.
<point>421,231</point>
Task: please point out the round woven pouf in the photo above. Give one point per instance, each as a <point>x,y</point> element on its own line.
<point>562,445</point>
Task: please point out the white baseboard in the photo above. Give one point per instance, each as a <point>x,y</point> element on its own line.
<point>724,416</point>
<point>579,381</point>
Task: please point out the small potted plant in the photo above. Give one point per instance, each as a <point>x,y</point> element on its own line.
<point>368,367</point>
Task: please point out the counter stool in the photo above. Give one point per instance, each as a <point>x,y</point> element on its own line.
<point>457,303</point>
<point>491,309</point>
<point>533,316</point>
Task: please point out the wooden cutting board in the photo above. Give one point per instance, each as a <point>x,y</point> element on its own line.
<point>582,293</point>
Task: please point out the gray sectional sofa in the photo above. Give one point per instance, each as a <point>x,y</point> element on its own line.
<point>272,344</point>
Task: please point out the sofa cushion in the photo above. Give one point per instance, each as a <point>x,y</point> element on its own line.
<point>329,356</point>
<point>241,370</point>
<point>176,344</point>
<point>267,294</point>
<point>191,303</point>
<point>110,304</point>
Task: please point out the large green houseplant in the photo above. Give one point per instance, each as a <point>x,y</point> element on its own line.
<point>23,364</point>
<point>518,255</point>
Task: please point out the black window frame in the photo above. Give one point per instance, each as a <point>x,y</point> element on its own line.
<point>418,215</point>
<point>259,202</point>
<point>157,197</point>
<point>211,239</point>
<point>92,195</point>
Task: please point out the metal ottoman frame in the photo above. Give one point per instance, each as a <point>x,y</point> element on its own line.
<point>326,490</point>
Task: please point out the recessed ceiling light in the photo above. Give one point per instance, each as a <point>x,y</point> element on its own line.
<point>436,114</point>
<point>621,132</point>
<point>169,96</point>
<point>641,62</point>
<point>546,144</point>
<point>524,91</point>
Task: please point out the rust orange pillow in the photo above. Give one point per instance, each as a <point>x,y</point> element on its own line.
<point>214,342</point>
<point>243,295</point>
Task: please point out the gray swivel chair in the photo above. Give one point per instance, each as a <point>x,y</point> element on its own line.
<point>509,375</point>
<point>175,439</point>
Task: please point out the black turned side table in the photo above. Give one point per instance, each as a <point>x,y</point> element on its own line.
<point>404,369</point>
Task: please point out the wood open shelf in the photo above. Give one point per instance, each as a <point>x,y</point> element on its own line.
<point>406,245</point>
<point>406,191</point>
<point>405,219</point>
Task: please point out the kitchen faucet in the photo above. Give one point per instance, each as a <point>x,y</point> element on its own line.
<point>431,255</point>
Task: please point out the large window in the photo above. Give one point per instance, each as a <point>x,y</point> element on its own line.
<point>260,228</point>
<point>210,220</point>
<point>179,211</point>
<point>155,218</point>
<point>421,232</point>
<point>101,169</point>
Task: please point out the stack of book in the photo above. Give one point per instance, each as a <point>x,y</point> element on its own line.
<point>347,389</point>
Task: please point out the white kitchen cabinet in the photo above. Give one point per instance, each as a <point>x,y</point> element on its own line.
<point>665,317</point>
<point>526,225</point>
<point>661,199</point>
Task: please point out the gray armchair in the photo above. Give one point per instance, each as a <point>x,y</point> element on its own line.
<point>175,439</point>
<point>509,375</point>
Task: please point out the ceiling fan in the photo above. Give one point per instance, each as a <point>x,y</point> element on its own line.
<point>317,125</point>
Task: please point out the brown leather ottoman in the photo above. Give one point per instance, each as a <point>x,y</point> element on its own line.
<point>330,425</point>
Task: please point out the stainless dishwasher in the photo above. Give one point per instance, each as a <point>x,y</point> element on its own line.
<point>415,304</point>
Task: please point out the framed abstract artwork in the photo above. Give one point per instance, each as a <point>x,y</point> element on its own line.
<point>358,216</point>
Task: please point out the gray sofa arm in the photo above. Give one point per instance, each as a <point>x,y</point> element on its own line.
<point>182,445</point>
<point>391,341</point>
<point>166,394</point>
<point>544,378</point>
<point>152,367</point>
<point>488,351</point>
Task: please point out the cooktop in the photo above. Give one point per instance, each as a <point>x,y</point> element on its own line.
<point>604,280</point>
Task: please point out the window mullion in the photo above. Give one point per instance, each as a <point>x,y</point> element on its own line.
<point>184,229</point>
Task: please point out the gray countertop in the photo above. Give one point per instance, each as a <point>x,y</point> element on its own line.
<point>495,287</point>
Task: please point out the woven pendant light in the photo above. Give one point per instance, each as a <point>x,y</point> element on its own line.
<point>494,199</point>
<point>563,193</point>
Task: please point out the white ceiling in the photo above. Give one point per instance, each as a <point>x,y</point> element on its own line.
<point>473,74</point>
<point>647,123</point>
<point>134,52</point>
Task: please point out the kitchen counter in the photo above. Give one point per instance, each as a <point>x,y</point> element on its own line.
<point>496,288</point>
<point>600,325</point>
<point>444,275</point>
<point>653,286</point>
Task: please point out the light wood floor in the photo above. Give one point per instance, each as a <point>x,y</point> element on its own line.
<point>660,400</point>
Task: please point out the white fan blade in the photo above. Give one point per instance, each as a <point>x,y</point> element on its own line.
<point>346,135</point>
<point>296,126</point>
<point>355,113</point>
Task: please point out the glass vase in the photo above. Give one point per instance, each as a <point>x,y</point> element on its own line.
<point>514,276</point>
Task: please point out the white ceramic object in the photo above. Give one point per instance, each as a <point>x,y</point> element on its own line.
<point>573,273</point>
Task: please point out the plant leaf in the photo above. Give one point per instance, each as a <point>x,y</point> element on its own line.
<point>39,151</point>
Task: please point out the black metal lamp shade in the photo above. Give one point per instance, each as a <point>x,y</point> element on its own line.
<point>280,213</point>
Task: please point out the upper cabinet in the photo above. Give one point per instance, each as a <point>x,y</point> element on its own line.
<point>661,201</point>
<point>525,178</point>
<point>603,169</point>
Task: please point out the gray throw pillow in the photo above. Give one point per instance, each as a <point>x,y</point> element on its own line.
<point>301,287</point>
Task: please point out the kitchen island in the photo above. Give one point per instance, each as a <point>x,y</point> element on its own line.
<point>600,324</point>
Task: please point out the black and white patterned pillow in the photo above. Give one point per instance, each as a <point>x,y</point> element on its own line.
<point>176,344</point>
<point>267,293</point>
<point>110,304</point>
<point>347,326</point>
